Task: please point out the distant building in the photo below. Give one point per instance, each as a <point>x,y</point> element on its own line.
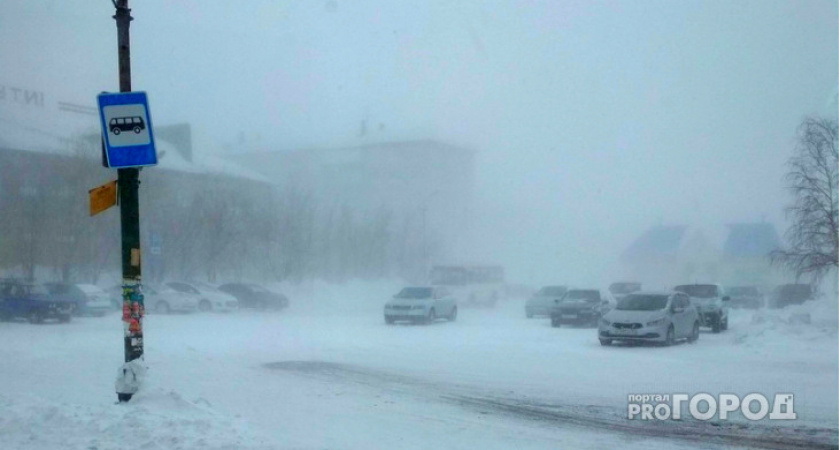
<point>734,255</point>
<point>745,253</point>
<point>428,180</point>
<point>50,158</point>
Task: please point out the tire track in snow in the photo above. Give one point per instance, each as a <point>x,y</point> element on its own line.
<point>727,434</point>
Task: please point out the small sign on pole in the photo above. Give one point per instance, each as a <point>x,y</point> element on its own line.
<point>103,197</point>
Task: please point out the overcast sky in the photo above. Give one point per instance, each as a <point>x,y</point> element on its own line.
<point>591,120</point>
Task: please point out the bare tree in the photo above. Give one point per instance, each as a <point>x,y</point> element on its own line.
<point>812,179</point>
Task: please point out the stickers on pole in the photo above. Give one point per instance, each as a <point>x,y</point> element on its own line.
<point>127,129</point>
<point>133,311</point>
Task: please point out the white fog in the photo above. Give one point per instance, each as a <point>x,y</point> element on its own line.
<point>381,224</point>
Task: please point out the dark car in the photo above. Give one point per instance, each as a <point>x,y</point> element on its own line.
<point>711,301</point>
<point>749,297</point>
<point>32,302</point>
<point>254,296</point>
<point>89,300</point>
<point>791,294</point>
<point>580,306</point>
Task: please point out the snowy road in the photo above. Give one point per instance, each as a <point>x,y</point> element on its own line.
<point>338,377</point>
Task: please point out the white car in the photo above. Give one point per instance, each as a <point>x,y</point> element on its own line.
<point>661,317</point>
<point>540,304</point>
<point>98,302</point>
<point>421,304</point>
<point>166,300</point>
<point>208,297</point>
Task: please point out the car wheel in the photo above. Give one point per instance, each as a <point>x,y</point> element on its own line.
<point>669,337</point>
<point>64,319</point>
<point>35,316</point>
<point>204,306</point>
<point>136,130</point>
<point>162,308</point>
<point>555,322</point>
<point>116,131</point>
<point>695,333</point>
<point>605,342</point>
<point>716,324</point>
<point>389,320</point>
<point>725,324</point>
<point>454,314</point>
<point>431,317</point>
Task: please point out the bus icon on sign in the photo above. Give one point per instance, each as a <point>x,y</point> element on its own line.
<point>119,124</point>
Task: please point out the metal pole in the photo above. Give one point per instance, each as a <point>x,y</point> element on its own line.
<point>128,183</point>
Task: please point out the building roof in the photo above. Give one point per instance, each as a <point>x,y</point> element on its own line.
<point>173,146</point>
<point>750,240</point>
<point>656,242</point>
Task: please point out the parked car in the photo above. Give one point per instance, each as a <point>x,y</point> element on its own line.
<point>89,300</point>
<point>208,297</point>
<point>661,317</point>
<point>712,303</point>
<point>160,300</point>
<point>620,289</point>
<point>580,306</point>
<point>791,294</point>
<point>749,297</point>
<point>33,302</point>
<point>540,304</point>
<point>422,304</point>
<point>165,300</point>
<point>252,295</point>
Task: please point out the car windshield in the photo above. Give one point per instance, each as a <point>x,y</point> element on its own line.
<point>548,291</point>
<point>414,293</point>
<point>577,295</point>
<point>698,290</point>
<point>257,288</point>
<point>624,288</point>
<point>37,289</point>
<point>743,291</point>
<point>642,303</point>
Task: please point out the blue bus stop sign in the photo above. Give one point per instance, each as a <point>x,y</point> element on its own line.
<point>127,130</point>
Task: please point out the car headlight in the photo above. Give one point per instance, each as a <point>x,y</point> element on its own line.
<point>418,307</point>
<point>605,322</point>
<point>660,321</point>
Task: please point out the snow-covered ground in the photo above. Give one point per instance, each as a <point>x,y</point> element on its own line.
<point>328,373</point>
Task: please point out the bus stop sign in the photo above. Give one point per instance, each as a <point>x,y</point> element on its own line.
<point>127,130</point>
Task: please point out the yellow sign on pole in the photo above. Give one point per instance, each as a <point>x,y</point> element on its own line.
<point>103,197</point>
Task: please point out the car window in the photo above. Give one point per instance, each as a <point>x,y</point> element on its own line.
<point>587,295</point>
<point>415,293</point>
<point>699,290</point>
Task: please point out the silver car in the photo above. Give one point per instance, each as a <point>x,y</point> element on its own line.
<point>540,304</point>
<point>208,297</point>
<point>421,304</point>
<point>661,317</point>
<point>712,303</point>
